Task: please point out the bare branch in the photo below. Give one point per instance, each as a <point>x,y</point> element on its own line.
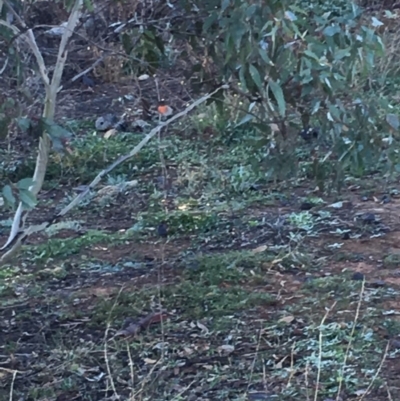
<point>48,112</point>
<point>18,240</point>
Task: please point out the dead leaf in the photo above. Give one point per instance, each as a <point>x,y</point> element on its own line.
<point>279,365</point>
<point>202,328</point>
<point>150,361</point>
<point>274,127</point>
<point>286,319</point>
<point>188,351</point>
<point>110,133</point>
<point>260,249</point>
<point>226,349</point>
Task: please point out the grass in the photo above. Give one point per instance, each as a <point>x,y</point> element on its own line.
<point>256,299</point>
<point>249,296</point>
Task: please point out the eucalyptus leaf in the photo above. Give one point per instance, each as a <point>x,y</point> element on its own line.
<point>244,120</point>
<point>27,198</point>
<point>331,30</point>
<point>278,94</point>
<point>8,195</point>
<point>393,121</point>
<point>25,183</point>
<point>255,76</point>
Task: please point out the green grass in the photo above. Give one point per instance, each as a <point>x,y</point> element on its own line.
<point>257,293</point>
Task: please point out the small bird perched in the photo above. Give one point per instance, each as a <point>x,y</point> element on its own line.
<point>164,110</point>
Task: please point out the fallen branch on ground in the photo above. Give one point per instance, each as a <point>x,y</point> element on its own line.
<point>22,236</point>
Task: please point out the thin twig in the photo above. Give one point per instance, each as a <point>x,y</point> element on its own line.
<point>320,350</point>
<point>17,229</point>
<point>20,237</point>
<point>105,346</point>
<point>353,329</point>
<point>377,372</point>
<point>12,384</point>
<point>88,69</point>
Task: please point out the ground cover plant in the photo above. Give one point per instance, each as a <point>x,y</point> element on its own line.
<point>249,250</point>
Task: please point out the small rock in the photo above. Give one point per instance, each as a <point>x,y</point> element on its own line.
<point>368,218</point>
<point>106,122</point>
<point>357,276</point>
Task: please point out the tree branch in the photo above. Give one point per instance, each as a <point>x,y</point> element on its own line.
<point>17,241</point>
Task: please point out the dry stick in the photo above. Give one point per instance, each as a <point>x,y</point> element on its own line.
<point>320,350</point>
<point>51,88</point>
<point>291,375</point>
<point>377,372</point>
<point>128,350</point>
<point>98,61</point>
<point>137,149</point>
<point>346,355</point>
<point>253,364</point>
<point>388,391</point>
<point>105,346</point>
<point>12,384</point>
<point>37,228</point>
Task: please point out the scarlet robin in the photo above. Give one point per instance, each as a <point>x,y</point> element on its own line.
<point>164,109</point>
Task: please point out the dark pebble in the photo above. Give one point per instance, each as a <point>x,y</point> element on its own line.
<point>357,276</point>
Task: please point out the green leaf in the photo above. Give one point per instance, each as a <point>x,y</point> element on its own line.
<point>56,132</point>
<point>255,76</point>
<point>27,199</point>
<point>225,4</point>
<point>25,183</point>
<point>334,113</point>
<point>8,195</point>
<point>242,78</point>
<point>315,106</point>
<point>251,10</point>
<point>331,30</point>
<point>209,22</point>
<point>88,5</point>
<point>24,123</point>
<point>376,22</point>
<point>244,120</point>
<point>278,93</point>
<point>127,43</point>
<point>264,56</point>
<point>290,16</point>
<point>149,34</point>
<point>311,54</point>
<point>342,53</point>
<point>393,121</point>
